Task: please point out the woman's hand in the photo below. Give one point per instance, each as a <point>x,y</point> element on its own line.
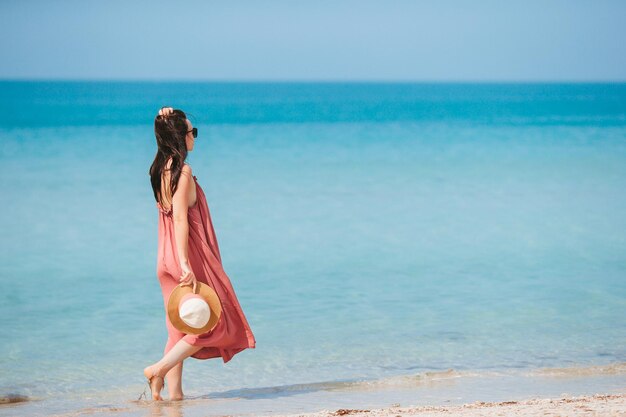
<point>166,111</point>
<point>188,277</point>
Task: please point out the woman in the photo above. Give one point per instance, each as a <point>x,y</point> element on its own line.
<point>187,253</point>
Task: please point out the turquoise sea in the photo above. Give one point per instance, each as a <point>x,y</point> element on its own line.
<point>388,243</point>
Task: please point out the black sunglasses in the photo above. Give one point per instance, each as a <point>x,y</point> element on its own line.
<point>195,132</point>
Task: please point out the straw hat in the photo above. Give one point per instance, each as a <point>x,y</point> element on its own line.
<point>194,313</point>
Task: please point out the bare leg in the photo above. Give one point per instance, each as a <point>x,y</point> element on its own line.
<point>174,376</point>
<point>175,382</point>
<point>179,352</point>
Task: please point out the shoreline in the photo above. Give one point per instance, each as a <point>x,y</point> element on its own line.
<point>574,391</point>
<point>605,404</point>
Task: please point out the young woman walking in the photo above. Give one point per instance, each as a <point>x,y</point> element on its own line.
<point>187,253</point>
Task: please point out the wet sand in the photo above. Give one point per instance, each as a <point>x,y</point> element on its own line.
<point>596,405</point>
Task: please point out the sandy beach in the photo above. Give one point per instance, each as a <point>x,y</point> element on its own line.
<point>596,405</point>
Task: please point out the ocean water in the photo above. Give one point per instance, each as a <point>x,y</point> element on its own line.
<point>389,243</point>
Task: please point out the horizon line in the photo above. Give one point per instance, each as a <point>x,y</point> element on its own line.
<point>320,81</point>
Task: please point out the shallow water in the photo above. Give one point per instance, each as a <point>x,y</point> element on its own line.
<point>370,231</point>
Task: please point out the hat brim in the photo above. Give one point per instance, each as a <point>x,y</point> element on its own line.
<point>207,293</point>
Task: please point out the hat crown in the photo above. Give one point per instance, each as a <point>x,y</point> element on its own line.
<point>194,310</point>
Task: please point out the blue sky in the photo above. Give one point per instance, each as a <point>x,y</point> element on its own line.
<point>314,40</point>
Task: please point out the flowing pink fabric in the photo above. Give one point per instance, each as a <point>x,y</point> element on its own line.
<point>232,334</point>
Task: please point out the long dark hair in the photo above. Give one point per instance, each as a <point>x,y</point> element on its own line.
<point>170,132</point>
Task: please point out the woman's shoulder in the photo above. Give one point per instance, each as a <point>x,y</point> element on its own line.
<point>187,170</point>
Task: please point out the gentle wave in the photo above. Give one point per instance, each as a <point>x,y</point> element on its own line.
<point>422,379</point>
<point>579,371</point>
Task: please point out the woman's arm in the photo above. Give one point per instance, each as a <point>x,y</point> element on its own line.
<point>180,206</point>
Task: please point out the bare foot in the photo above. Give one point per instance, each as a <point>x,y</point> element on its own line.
<point>156,382</point>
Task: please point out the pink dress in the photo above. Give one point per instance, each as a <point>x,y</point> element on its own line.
<point>232,334</point>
